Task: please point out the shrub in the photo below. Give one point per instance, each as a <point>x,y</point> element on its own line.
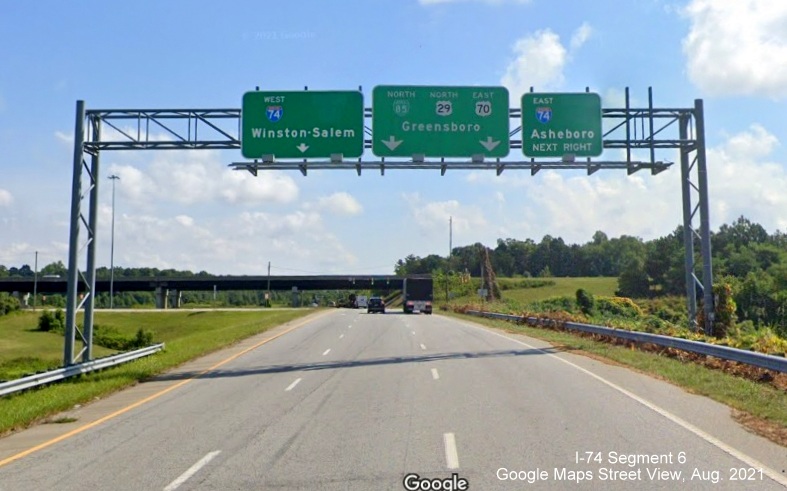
<point>768,342</point>
<point>8,304</point>
<point>585,301</point>
<point>618,307</point>
<point>526,283</point>
<point>109,337</point>
<point>52,322</point>
<point>554,304</point>
<point>653,324</point>
<point>142,339</point>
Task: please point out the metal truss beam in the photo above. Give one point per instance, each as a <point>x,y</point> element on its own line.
<point>165,129</point>
<point>498,166</point>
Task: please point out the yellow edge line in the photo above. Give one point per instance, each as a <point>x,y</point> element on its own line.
<point>97,422</point>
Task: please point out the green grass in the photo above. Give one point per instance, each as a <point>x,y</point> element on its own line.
<point>760,400</point>
<point>25,350</point>
<point>187,335</point>
<point>562,287</point>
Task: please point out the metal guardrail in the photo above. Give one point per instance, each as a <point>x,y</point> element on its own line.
<point>760,360</point>
<point>69,371</point>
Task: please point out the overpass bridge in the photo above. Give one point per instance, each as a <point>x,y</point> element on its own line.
<point>168,289</point>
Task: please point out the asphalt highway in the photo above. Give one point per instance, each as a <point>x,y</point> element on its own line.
<point>353,401</point>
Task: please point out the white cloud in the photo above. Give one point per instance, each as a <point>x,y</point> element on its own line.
<point>185,220</point>
<point>6,198</point>
<point>737,47</point>
<point>268,186</point>
<point>275,226</point>
<point>239,244</point>
<point>580,36</point>
<point>64,137</point>
<point>539,61</point>
<point>340,204</point>
<point>190,177</point>
<point>432,217</point>
<point>742,181</point>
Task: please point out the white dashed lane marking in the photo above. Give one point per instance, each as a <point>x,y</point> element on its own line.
<point>192,470</point>
<point>451,456</point>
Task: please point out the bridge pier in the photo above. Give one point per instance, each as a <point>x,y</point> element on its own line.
<point>161,297</point>
<point>175,297</point>
<point>296,297</point>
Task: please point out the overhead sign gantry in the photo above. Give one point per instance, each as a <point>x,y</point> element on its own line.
<point>302,130</point>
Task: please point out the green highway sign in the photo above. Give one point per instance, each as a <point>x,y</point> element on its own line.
<point>554,125</point>
<point>302,124</point>
<point>439,121</point>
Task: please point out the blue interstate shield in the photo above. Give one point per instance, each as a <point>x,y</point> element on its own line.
<point>274,113</point>
<point>544,114</point>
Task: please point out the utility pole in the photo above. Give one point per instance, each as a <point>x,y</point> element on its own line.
<point>35,283</point>
<point>450,236</point>
<point>112,249</point>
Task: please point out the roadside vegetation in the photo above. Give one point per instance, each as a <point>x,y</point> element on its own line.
<point>758,405</point>
<point>749,266</point>
<point>758,397</point>
<point>27,348</point>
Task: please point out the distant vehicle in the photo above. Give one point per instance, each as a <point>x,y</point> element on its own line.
<point>361,301</point>
<point>375,304</point>
<point>417,295</point>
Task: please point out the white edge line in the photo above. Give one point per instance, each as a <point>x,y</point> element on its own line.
<point>435,375</point>
<point>192,470</point>
<point>750,461</point>
<point>292,385</point>
<point>451,457</point>
<point>326,352</point>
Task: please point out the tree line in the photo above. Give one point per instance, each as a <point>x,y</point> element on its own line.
<point>752,262</point>
<point>746,258</point>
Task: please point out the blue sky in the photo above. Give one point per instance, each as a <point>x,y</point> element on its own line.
<point>188,210</point>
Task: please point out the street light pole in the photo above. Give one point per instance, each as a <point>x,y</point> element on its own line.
<point>112,248</point>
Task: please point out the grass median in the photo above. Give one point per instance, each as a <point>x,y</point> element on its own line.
<point>187,335</point>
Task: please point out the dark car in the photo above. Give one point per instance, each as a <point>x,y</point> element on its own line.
<point>375,304</point>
